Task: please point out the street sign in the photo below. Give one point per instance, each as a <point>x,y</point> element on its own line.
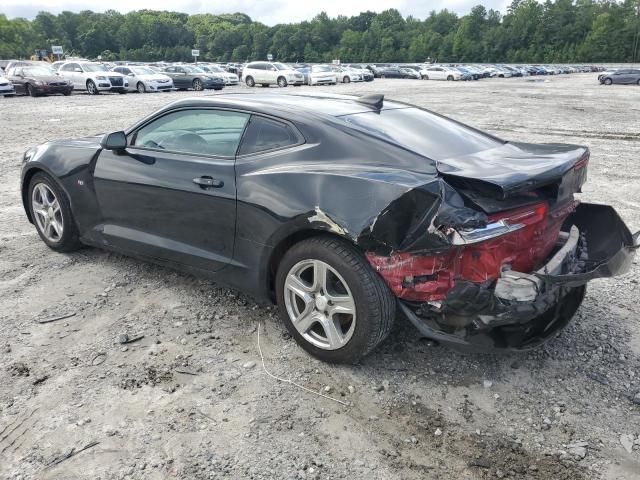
<point>336,61</point>
<point>195,53</point>
<point>56,49</point>
<point>269,57</point>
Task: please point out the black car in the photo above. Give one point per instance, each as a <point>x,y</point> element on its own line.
<point>36,80</point>
<point>187,76</point>
<point>394,72</point>
<point>340,208</point>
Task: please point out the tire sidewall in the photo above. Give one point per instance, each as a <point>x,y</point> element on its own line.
<point>250,82</point>
<point>359,343</point>
<point>141,90</point>
<point>282,82</point>
<point>69,240</point>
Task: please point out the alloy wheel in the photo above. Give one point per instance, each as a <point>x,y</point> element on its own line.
<point>320,304</point>
<point>91,88</point>
<point>47,212</point>
<point>197,85</point>
<point>141,88</point>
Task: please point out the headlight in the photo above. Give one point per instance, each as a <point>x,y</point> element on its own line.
<point>101,77</point>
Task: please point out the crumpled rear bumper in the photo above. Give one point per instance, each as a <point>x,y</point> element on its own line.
<point>523,309</point>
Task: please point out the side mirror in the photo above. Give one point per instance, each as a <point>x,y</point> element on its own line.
<point>131,74</point>
<point>114,141</point>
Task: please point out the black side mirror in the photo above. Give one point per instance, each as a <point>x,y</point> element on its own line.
<point>114,141</point>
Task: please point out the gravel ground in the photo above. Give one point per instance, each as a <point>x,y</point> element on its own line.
<point>191,399</point>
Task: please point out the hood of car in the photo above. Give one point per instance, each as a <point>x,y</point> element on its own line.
<point>46,78</point>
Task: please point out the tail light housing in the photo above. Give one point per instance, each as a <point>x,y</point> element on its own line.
<point>519,239</point>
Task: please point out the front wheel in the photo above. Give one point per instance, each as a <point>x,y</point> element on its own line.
<point>450,78</point>
<point>250,82</point>
<point>425,77</point>
<point>282,82</point>
<point>141,88</point>
<point>91,88</point>
<point>31,91</point>
<point>197,85</point>
<point>346,80</point>
<point>331,300</point>
<point>608,81</point>
<point>51,213</point>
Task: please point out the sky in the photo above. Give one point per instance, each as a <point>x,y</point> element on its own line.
<point>270,12</point>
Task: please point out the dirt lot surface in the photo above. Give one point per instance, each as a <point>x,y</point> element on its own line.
<point>191,400</point>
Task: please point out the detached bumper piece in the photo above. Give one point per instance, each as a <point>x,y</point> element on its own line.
<point>521,310</point>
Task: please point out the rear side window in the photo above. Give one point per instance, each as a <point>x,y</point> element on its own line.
<point>423,132</point>
<point>265,134</point>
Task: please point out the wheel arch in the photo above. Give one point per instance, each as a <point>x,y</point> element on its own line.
<point>277,253</point>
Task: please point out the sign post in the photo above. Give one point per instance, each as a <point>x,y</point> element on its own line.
<point>56,50</point>
<point>195,53</point>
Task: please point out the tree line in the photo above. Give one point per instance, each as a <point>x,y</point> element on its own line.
<point>561,31</point>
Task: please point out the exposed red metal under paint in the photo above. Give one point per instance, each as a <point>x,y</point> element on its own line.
<point>423,278</point>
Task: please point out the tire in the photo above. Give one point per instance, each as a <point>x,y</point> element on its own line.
<point>197,85</point>
<point>66,94</point>
<point>250,82</point>
<point>382,76</point>
<point>282,82</point>
<point>346,80</point>
<point>91,88</point>
<point>121,92</point>
<point>425,77</point>
<point>638,82</point>
<point>374,305</point>
<point>31,91</point>
<point>608,81</point>
<point>450,78</point>
<point>141,88</point>
<point>69,239</point>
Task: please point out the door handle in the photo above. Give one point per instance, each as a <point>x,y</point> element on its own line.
<point>208,182</point>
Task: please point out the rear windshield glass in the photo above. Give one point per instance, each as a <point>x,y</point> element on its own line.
<point>425,133</point>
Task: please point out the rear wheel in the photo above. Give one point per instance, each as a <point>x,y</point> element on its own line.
<point>250,82</point>
<point>332,302</point>
<point>282,82</point>
<point>51,214</point>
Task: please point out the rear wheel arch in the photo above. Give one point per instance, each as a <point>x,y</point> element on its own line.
<point>281,248</point>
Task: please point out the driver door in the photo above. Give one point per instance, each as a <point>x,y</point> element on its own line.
<point>171,194</point>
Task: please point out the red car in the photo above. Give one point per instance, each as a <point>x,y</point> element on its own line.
<point>38,80</point>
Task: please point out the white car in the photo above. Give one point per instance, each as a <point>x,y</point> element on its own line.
<point>435,72</point>
<point>143,79</point>
<point>94,77</point>
<point>271,73</point>
<point>229,78</point>
<point>322,75</point>
<point>348,75</point>
<point>6,87</point>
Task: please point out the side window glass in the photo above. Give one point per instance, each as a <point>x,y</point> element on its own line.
<point>203,132</point>
<point>265,134</point>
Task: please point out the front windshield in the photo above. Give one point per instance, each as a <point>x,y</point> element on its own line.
<point>215,68</point>
<point>37,71</point>
<point>281,66</point>
<point>142,71</point>
<point>94,67</point>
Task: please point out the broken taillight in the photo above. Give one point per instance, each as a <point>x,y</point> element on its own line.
<point>528,236</point>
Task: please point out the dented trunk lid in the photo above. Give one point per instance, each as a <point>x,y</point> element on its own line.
<point>513,168</point>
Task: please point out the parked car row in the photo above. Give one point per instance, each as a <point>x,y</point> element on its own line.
<point>41,78</point>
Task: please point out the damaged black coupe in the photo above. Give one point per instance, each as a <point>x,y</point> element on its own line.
<point>341,208</point>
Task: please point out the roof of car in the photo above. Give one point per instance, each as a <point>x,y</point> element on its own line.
<point>324,104</point>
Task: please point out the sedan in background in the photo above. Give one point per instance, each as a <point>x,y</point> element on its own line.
<point>230,79</point>
<point>624,76</point>
<point>143,79</point>
<point>37,80</point>
<point>187,76</point>
<point>348,75</point>
<point>395,72</point>
<point>436,72</point>
<point>322,75</point>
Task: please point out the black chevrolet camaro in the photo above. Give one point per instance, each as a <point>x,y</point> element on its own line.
<point>341,209</point>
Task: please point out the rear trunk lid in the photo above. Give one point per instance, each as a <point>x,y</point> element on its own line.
<point>514,168</point>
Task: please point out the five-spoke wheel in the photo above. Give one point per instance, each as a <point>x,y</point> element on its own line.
<point>48,215</point>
